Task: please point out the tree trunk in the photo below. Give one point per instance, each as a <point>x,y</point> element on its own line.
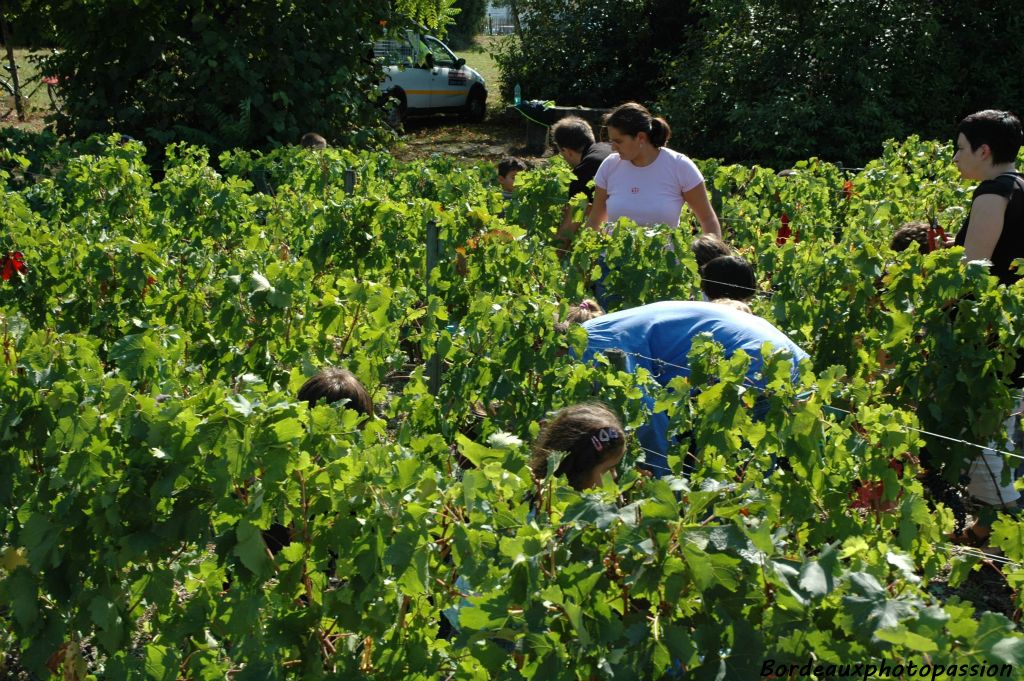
<point>515,18</point>
<point>5,34</point>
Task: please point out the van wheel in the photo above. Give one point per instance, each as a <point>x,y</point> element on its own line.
<point>398,109</point>
<point>476,105</point>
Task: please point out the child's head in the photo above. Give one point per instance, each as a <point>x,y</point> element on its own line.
<point>728,276</point>
<point>592,437</point>
<point>312,140</point>
<point>333,384</point>
<point>507,169</point>
<point>578,314</point>
<point>707,247</point>
<point>999,130</point>
<point>572,136</point>
<point>911,233</point>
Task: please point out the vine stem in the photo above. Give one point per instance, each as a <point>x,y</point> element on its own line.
<point>355,323</point>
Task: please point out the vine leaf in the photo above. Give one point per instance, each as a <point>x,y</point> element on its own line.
<point>901,636</point>
<point>1008,536</point>
<point>993,639</point>
<point>252,551</point>
<point>872,609</point>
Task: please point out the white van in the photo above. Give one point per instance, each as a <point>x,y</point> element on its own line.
<point>423,76</point>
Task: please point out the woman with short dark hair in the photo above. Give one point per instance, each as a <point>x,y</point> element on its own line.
<point>728,276</point>
<point>574,139</point>
<point>986,149</point>
<point>333,384</point>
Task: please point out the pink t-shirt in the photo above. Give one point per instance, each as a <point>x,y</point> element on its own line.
<point>651,195</point>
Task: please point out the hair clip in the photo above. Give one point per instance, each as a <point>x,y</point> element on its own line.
<point>603,436</point>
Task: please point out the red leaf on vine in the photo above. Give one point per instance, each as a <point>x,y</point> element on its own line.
<point>870,495</point>
<point>784,230</point>
<point>13,262</point>
<point>149,282</point>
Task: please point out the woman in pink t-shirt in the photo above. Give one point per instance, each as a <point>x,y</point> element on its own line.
<point>645,181</point>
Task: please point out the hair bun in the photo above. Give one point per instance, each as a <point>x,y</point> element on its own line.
<point>660,131</point>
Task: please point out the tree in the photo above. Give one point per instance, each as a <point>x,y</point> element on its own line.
<point>594,52</point>
<point>773,81</point>
<point>469,22</point>
<point>225,74</point>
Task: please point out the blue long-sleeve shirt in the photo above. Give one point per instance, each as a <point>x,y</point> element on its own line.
<point>658,337</point>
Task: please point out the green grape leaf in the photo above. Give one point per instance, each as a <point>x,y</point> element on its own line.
<point>901,636</point>
<point>252,551</point>
<point>1008,536</point>
<point>477,453</point>
<point>21,589</point>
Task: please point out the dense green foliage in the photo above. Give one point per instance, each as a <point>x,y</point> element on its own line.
<point>149,429</point>
<point>836,78</point>
<point>832,77</point>
<point>775,81</point>
<point>468,24</point>
<point>597,53</point>
<point>223,74</point>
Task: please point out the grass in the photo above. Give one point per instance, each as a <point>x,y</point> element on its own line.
<point>38,102</point>
<point>480,57</point>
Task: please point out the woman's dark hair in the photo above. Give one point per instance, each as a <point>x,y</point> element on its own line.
<point>1000,130</point>
<point>632,119</point>
<point>333,384</point>
<point>572,132</point>
<point>588,433</point>
<point>312,140</point>
<point>911,233</point>
<point>707,247</point>
<point>728,276</point>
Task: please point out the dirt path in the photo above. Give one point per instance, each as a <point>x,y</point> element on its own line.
<point>499,136</point>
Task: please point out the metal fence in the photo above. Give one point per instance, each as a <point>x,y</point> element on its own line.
<point>499,23</point>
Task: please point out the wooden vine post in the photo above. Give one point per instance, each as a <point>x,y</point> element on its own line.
<point>434,363</point>
<point>716,201</point>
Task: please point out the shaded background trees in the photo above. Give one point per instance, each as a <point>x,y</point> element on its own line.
<point>469,22</point>
<point>773,81</point>
<point>591,52</point>
<point>761,81</point>
<point>220,73</point>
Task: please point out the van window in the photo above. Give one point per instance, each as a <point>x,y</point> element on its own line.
<point>394,52</point>
<point>442,56</point>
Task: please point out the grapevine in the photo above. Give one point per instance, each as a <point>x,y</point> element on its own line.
<point>154,335</point>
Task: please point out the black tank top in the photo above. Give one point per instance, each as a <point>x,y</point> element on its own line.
<point>1011,241</point>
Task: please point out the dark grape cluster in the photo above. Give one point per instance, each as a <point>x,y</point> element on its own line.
<point>941,490</point>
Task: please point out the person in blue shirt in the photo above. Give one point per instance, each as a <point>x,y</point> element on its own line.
<point>658,337</point>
